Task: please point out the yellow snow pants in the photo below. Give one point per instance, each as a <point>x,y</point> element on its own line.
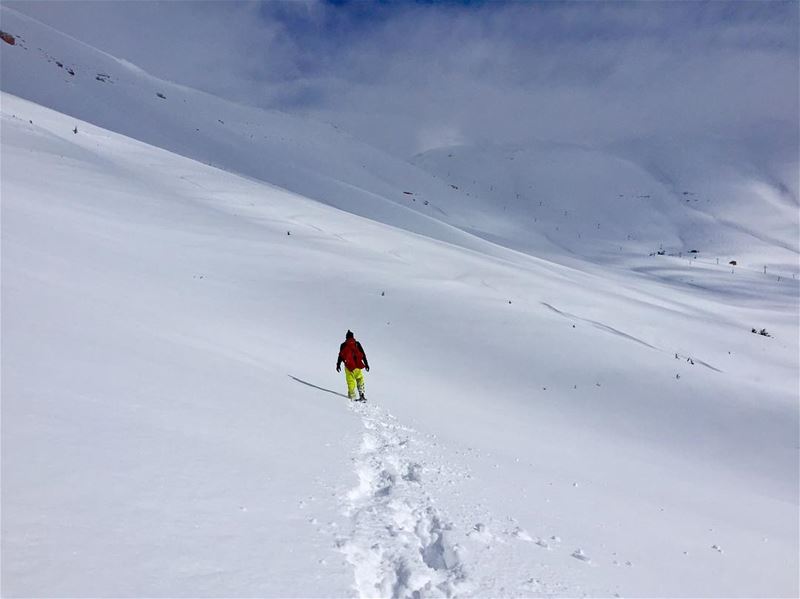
<point>354,377</point>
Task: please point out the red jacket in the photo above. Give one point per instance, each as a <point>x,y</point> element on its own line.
<point>352,354</point>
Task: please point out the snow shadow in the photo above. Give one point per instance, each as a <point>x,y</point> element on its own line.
<point>318,387</point>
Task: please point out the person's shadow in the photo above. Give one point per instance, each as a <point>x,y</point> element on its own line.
<point>318,387</point>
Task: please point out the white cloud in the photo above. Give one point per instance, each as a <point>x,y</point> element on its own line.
<point>410,76</point>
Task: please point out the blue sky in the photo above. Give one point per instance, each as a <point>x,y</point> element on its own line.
<point>407,76</point>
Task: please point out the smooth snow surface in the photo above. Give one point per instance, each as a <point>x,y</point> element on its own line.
<point>545,417</point>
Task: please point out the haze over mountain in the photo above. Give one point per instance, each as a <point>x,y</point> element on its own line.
<point>566,397</point>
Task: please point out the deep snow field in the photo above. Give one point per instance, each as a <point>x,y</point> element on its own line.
<point>548,414</point>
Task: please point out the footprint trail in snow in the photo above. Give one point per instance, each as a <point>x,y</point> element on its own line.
<point>403,543</point>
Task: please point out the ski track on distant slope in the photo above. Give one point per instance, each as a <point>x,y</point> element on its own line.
<point>623,334</point>
<point>402,544</point>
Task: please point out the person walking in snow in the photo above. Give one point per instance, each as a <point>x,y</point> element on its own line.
<point>355,359</point>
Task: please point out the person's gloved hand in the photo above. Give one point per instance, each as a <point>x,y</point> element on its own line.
<point>338,368</point>
<point>367,368</point>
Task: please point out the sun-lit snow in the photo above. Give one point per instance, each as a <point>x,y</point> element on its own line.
<point>547,415</point>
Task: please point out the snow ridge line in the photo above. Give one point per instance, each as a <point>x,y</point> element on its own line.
<point>401,544</point>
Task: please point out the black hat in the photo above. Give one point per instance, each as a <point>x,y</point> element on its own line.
<point>349,334</point>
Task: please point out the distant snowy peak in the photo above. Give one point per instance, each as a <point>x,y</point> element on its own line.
<point>637,198</point>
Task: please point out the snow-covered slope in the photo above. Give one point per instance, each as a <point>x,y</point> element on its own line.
<point>154,310</point>
<point>311,158</point>
<point>621,204</point>
<point>171,424</point>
